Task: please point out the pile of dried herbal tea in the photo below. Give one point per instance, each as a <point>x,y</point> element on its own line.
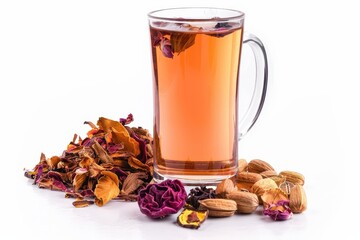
<point>114,161</point>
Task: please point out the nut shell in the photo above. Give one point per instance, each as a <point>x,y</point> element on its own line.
<point>258,166</point>
<point>263,185</point>
<point>224,187</point>
<point>218,207</point>
<point>245,180</point>
<point>293,177</point>
<point>246,202</point>
<point>298,200</point>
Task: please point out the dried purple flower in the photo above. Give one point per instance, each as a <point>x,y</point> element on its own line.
<point>279,211</point>
<point>166,48</point>
<point>161,199</point>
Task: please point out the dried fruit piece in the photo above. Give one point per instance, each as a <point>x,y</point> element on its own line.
<point>298,201</point>
<point>218,207</point>
<point>190,218</point>
<point>258,166</point>
<point>293,177</point>
<point>246,202</point>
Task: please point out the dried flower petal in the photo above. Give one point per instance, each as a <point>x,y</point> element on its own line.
<point>82,203</point>
<point>279,211</point>
<point>80,179</point>
<point>162,199</point>
<point>133,182</point>
<point>181,41</point>
<point>119,134</point>
<point>166,48</point>
<point>101,152</point>
<point>273,196</point>
<point>107,188</point>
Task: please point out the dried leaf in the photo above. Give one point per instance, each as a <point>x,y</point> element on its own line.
<point>181,41</point>
<point>107,188</point>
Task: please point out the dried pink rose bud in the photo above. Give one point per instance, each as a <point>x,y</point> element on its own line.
<point>279,211</point>
<point>162,199</point>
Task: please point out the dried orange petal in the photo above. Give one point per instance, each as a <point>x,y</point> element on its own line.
<point>107,188</point>
<point>79,179</point>
<point>273,196</point>
<point>137,164</point>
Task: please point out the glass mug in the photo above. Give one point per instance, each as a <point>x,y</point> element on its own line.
<point>196,63</point>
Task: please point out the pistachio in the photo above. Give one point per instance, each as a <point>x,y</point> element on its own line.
<point>293,177</point>
<point>298,201</point>
<point>246,202</point>
<point>258,166</point>
<point>224,187</point>
<point>245,180</point>
<point>218,207</point>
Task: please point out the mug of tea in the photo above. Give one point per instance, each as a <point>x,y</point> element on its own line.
<point>196,63</point>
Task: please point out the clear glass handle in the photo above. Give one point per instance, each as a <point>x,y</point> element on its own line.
<point>261,81</point>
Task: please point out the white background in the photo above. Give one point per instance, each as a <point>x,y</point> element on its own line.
<point>64,62</point>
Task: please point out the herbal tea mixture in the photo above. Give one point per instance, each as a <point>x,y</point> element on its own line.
<point>115,162</point>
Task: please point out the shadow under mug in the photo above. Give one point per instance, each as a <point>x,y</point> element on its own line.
<point>196,56</point>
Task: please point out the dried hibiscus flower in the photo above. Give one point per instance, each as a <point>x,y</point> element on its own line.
<point>161,199</point>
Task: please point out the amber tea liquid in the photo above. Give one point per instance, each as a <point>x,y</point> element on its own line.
<point>195,97</point>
